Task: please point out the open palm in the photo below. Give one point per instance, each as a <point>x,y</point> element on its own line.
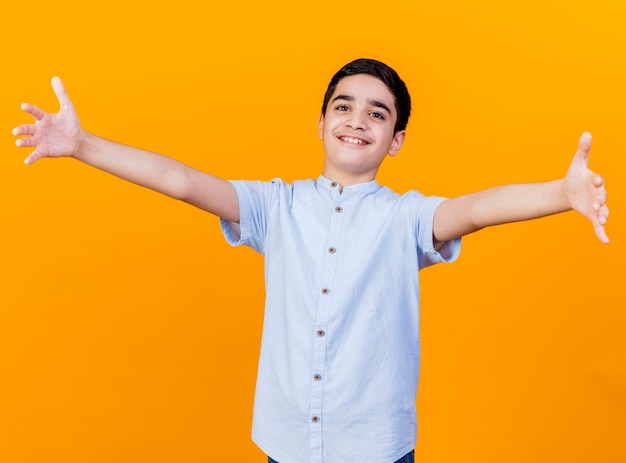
<point>585,189</point>
<point>52,135</point>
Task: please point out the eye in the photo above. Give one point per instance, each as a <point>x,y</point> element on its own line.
<point>342,107</point>
<point>377,115</point>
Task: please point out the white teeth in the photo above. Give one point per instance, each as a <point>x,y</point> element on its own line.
<point>355,141</point>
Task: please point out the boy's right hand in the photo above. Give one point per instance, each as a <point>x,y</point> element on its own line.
<point>52,135</point>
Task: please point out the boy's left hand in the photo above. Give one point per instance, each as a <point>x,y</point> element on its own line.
<point>585,189</point>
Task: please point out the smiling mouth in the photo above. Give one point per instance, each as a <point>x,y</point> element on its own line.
<point>353,141</point>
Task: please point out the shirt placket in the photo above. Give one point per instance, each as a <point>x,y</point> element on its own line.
<point>322,336</point>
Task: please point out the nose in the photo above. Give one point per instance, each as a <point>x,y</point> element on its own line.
<point>356,121</point>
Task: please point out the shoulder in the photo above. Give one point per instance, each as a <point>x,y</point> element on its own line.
<point>407,198</point>
<point>411,203</point>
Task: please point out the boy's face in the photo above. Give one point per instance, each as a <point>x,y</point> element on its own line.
<point>358,129</point>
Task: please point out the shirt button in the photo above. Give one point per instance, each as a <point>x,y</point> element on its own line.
<point>321,333</point>
<point>333,184</point>
<point>315,419</point>
<point>332,250</point>
<point>325,291</point>
<point>339,209</point>
<point>317,377</point>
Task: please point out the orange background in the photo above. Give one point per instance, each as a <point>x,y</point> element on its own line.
<point>129,330</point>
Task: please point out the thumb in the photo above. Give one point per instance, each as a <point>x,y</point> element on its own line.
<point>61,94</point>
<point>584,146</point>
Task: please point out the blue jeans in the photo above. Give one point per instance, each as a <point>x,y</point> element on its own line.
<point>408,458</point>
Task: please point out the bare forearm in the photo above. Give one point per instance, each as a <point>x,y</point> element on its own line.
<point>142,167</point>
<point>494,206</point>
<point>513,203</point>
<point>160,173</point>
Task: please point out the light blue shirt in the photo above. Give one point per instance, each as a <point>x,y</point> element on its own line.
<point>340,352</point>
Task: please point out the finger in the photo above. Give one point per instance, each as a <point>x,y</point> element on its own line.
<point>25,142</point>
<point>601,234</point>
<point>24,129</point>
<point>599,223</point>
<point>62,96</point>
<point>603,215</point>
<point>33,110</point>
<point>584,145</point>
<point>599,200</point>
<point>32,157</point>
<point>597,180</point>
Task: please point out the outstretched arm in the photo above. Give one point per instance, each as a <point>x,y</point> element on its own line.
<point>580,190</point>
<point>60,135</point>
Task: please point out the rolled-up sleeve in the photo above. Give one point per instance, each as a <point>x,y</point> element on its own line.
<point>427,254</point>
<point>256,200</point>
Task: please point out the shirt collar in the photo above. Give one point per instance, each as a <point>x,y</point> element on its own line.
<point>365,187</point>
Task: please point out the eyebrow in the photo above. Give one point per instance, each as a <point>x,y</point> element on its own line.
<point>376,103</point>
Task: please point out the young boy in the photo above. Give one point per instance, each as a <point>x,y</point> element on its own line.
<point>340,354</point>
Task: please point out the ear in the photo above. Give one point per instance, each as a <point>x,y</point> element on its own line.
<point>397,142</point>
<point>320,127</point>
